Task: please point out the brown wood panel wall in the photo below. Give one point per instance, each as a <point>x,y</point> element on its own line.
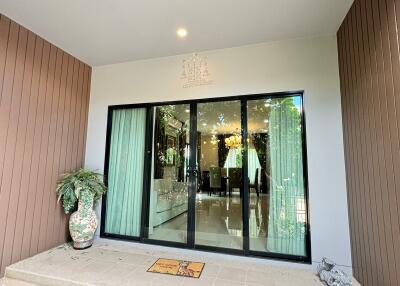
<point>44,99</point>
<point>369,66</point>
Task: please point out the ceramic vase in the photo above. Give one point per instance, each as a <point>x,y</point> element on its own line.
<point>83,222</point>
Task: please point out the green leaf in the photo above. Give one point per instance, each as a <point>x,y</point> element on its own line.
<point>71,185</point>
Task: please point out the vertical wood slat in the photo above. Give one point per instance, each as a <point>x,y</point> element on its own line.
<point>66,133</point>
<point>369,66</point>
<point>43,117</point>
<point>368,129</point>
<point>48,82</point>
<point>53,88</point>
<point>77,116</point>
<point>348,128</point>
<point>4,36</point>
<point>21,148</point>
<point>390,139</point>
<point>353,140</point>
<point>364,187</point>
<point>5,108</point>
<point>343,88</point>
<point>356,141</point>
<point>37,162</point>
<point>29,148</point>
<point>46,234</point>
<point>382,262</point>
<point>386,242</point>
<point>11,137</point>
<point>59,159</point>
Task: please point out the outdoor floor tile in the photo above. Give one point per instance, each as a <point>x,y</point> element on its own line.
<point>202,281</point>
<point>109,263</point>
<point>233,274</point>
<point>222,282</point>
<point>210,270</point>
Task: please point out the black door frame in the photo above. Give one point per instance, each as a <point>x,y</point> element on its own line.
<point>192,189</point>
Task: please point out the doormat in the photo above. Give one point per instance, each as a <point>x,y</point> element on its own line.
<point>177,267</point>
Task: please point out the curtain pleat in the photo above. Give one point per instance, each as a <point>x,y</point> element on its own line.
<point>286,227</point>
<point>125,173</point>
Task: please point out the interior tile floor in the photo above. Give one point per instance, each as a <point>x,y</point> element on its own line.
<point>110,262</point>
<point>219,222</point>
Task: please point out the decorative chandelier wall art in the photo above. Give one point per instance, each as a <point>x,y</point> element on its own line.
<point>195,71</point>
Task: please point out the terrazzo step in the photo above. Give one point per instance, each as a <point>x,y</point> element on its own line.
<point>114,263</point>
<point>18,277</point>
<point>13,282</point>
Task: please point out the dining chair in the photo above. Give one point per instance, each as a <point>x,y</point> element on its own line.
<point>215,180</point>
<point>235,179</point>
<point>257,182</point>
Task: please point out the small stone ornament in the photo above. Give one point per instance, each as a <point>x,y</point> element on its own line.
<point>331,275</point>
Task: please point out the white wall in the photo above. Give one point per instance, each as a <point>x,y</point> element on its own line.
<point>305,64</point>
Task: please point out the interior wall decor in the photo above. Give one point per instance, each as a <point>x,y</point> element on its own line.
<point>369,65</point>
<point>44,103</point>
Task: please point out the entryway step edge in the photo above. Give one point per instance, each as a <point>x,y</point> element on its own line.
<point>37,279</point>
<point>13,282</point>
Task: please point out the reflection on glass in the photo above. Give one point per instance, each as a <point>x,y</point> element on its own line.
<point>219,195</point>
<point>169,185</point>
<point>278,214</point>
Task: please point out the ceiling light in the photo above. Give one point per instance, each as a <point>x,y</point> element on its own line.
<point>266,121</point>
<point>181,32</point>
<point>187,110</point>
<point>204,124</point>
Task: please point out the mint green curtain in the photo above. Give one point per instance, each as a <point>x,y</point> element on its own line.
<point>125,176</point>
<point>286,225</point>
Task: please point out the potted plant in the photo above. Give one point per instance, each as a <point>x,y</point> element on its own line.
<point>79,190</point>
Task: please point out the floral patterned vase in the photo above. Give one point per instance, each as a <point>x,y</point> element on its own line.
<point>83,222</point>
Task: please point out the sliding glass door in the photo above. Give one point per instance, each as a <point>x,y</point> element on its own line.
<point>277,215</point>
<point>219,221</point>
<point>223,175</point>
<point>168,211</point>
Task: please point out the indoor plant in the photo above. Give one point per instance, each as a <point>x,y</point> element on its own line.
<point>78,191</point>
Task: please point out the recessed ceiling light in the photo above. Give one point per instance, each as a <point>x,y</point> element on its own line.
<point>181,32</point>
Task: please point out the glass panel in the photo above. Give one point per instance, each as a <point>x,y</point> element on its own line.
<point>169,184</point>
<point>125,173</point>
<point>277,200</point>
<point>219,195</point>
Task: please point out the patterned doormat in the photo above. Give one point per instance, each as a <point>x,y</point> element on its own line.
<point>177,267</point>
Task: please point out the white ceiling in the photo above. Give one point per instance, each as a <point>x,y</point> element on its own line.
<point>110,31</point>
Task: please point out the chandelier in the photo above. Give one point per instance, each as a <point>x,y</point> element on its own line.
<point>233,141</point>
<point>214,140</point>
